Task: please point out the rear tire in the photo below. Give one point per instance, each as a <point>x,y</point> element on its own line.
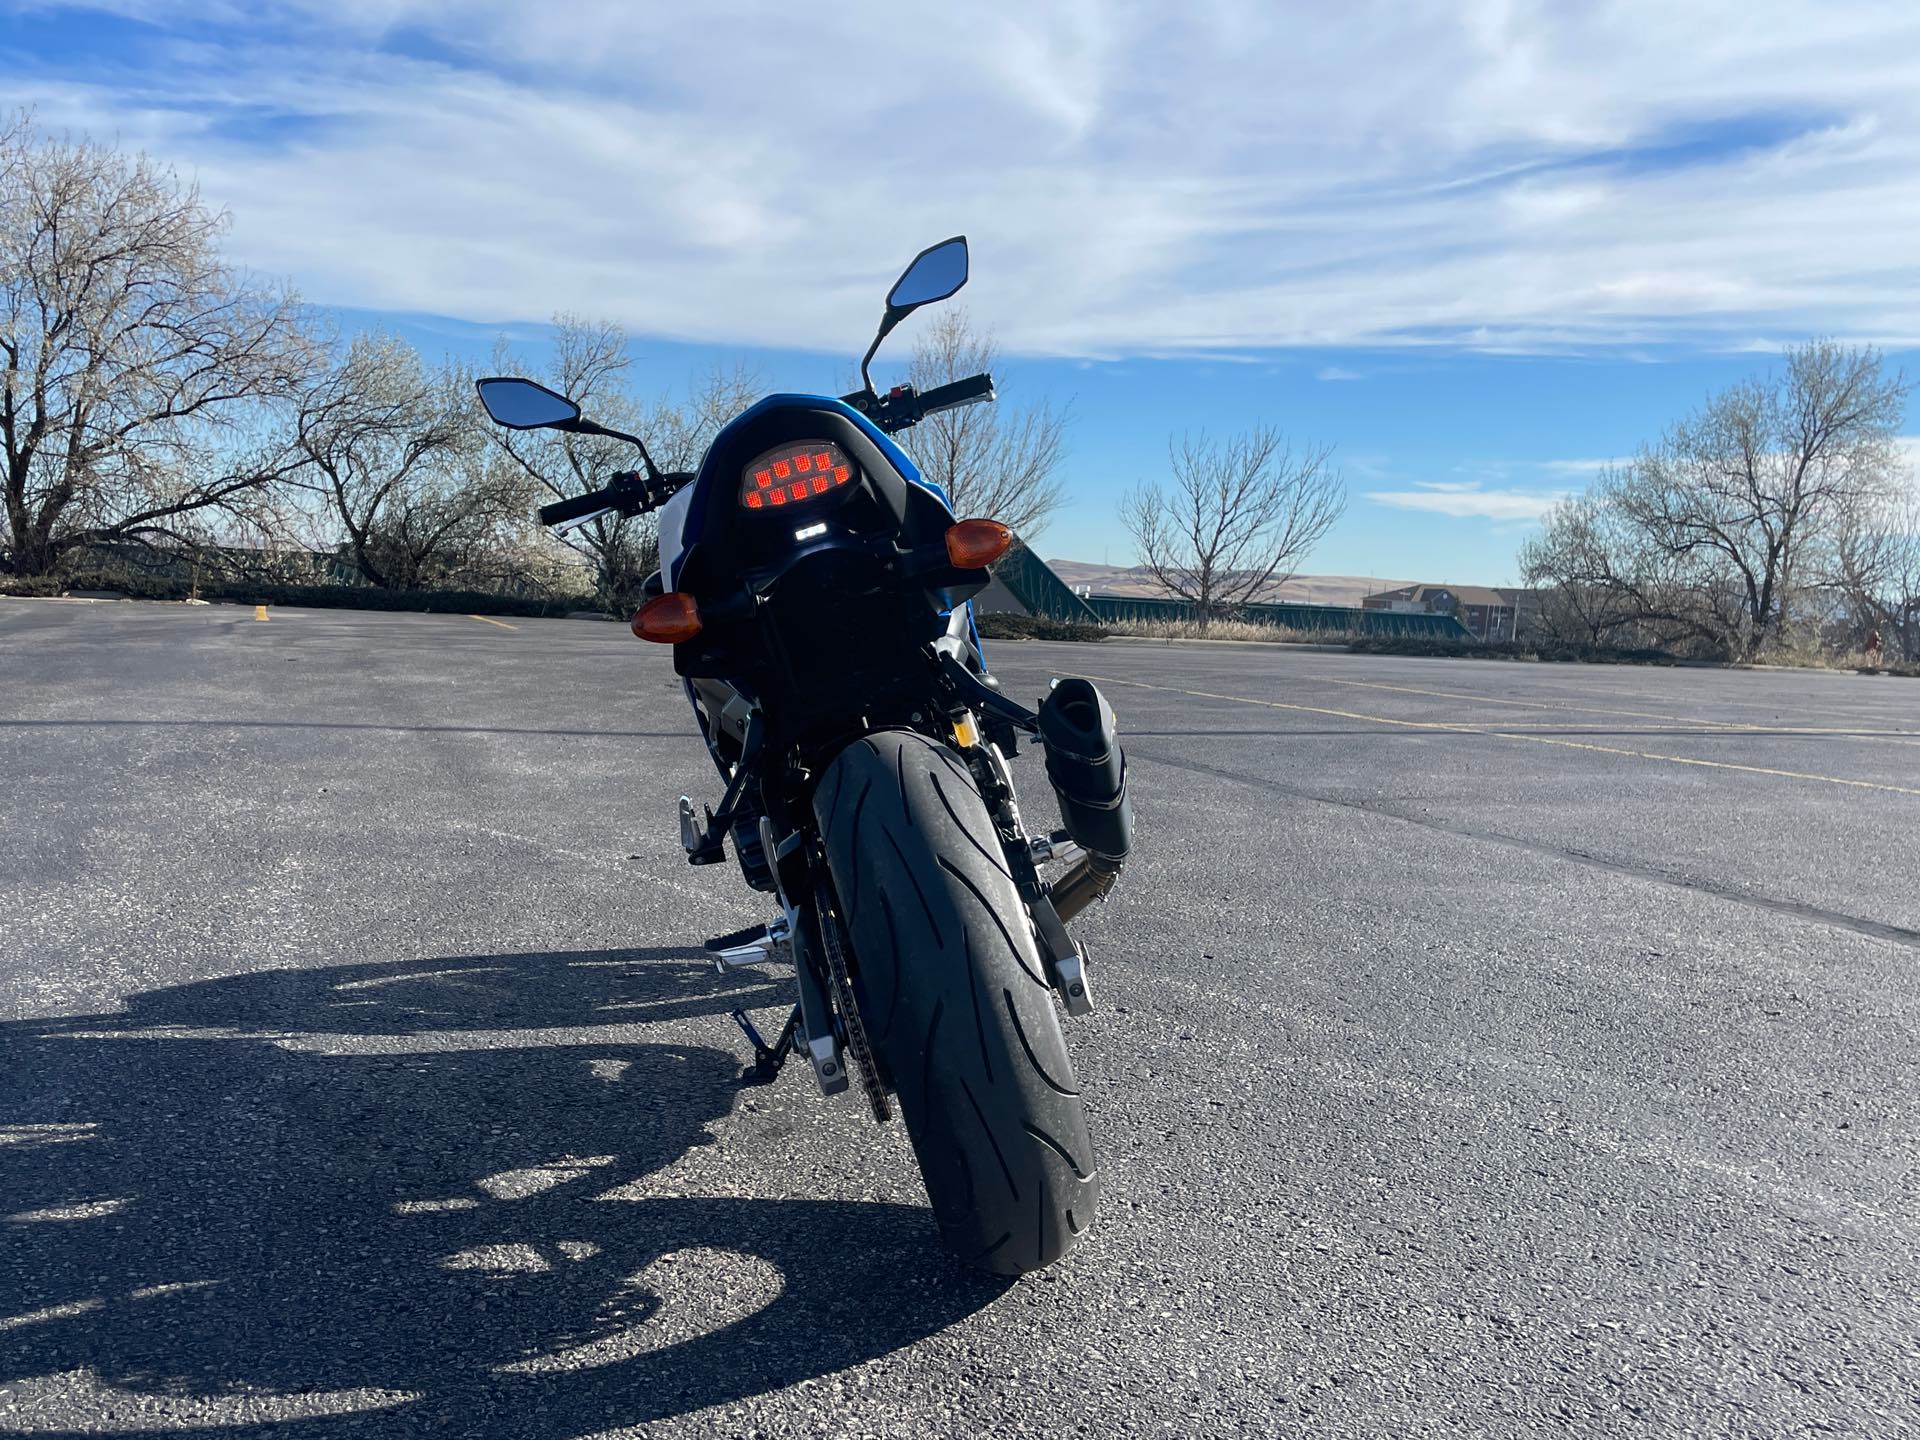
<point>956,1002</point>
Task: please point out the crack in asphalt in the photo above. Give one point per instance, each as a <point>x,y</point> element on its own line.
<point>1875,929</point>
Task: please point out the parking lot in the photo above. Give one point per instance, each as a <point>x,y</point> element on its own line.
<point>1481,1048</point>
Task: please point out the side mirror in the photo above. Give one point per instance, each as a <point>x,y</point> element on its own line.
<point>936,272</point>
<point>523,405</point>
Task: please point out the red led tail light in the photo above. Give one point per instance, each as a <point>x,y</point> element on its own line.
<point>794,472</point>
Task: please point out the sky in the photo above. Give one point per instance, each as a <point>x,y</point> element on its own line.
<point>1483,248</point>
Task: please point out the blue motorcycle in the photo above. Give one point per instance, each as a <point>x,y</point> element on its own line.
<point>815,590</point>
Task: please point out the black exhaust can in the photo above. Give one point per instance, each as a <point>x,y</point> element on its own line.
<point>1088,771</point>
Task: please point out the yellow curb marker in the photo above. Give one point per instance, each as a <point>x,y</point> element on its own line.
<point>1457,729</point>
<point>259,612</point>
<point>484,620</point>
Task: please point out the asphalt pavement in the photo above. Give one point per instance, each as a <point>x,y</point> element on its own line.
<point>1482,1049</point>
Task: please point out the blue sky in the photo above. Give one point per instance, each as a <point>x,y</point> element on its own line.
<point>1482,247</point>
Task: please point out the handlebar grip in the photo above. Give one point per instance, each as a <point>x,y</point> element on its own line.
<point>574,507</point>
<point>625,493</point>
<point>960,392</point>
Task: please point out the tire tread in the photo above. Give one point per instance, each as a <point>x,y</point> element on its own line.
<point>996,1119</point>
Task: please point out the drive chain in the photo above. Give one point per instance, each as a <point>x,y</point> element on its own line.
<point>841,984</point>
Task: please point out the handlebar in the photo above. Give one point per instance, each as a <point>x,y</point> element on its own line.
<point>960,392</point>
<point>577,507</point>
<point>901,407</point>
<point>629,492</point>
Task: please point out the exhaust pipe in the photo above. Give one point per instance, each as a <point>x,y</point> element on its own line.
<point>1088,771</point>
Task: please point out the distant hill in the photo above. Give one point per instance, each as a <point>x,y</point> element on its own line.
<point>1309,589</point>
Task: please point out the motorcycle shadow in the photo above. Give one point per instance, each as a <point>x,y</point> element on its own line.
<point>382,1198</point>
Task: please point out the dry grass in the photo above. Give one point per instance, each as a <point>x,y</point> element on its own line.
<point>1228,630</point>
<point>1808,657</point>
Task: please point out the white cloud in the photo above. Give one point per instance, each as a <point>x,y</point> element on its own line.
<point>1467,501</point>
<point>1336,372</point>
<point>1210,179</point>
<point>1576,467</point>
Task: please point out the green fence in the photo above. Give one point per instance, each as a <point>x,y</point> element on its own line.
<point>1035,586</point>
<point>1044,593</point>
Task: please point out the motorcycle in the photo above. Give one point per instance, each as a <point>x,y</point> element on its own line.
<point>816,592</point>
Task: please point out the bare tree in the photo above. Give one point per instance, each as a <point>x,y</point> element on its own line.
<point>1880,572</point>
<point>403,464</point>
<point>1235,519</point>
<point>1747,499</point>
<point>678,432</point>
<point>1600,584</point>
<point>590,365</point>
<point>993,461</point>
<point>139,374</point>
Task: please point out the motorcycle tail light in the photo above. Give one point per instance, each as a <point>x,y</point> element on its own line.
<point>976,544</point>
<point>794,472</point>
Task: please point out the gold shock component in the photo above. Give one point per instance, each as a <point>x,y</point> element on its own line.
<point>964,733</point>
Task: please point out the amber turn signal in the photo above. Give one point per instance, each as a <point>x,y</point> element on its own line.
<point>667,619</point>
<point>976,544</point>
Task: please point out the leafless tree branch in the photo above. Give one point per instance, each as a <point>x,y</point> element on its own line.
<point>145,380</point>
<point>1235,518</point>
<point>995,461</point>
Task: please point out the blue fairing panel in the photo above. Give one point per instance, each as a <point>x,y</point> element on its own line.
<point>901,461</point>
<point>899,458</point>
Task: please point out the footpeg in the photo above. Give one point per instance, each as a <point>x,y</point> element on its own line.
<point>753,946</point>
<point>737,938</point>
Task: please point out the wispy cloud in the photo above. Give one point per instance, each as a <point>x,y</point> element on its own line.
<point>1576,467</point>
<point>1537,176</point>
<point>1467,501</point>
<point>1337,372</point>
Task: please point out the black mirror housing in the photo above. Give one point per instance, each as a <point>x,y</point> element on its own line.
<point>525,405</point>
<point>936,273</point>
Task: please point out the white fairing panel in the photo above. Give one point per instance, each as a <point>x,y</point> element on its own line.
<point>673,519</point>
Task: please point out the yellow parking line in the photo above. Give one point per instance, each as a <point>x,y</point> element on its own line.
<point>1706,727</point>
<point>485,620</point>
<point>1608,710</point>
<point>259,612</point>
<point>1459,729</point>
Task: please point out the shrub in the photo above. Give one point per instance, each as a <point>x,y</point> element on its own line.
<point>35,585</point>
<point>265,592</point>
<point>1010,625</point>
<point>1550,650</point>
<point>1249,630</point>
